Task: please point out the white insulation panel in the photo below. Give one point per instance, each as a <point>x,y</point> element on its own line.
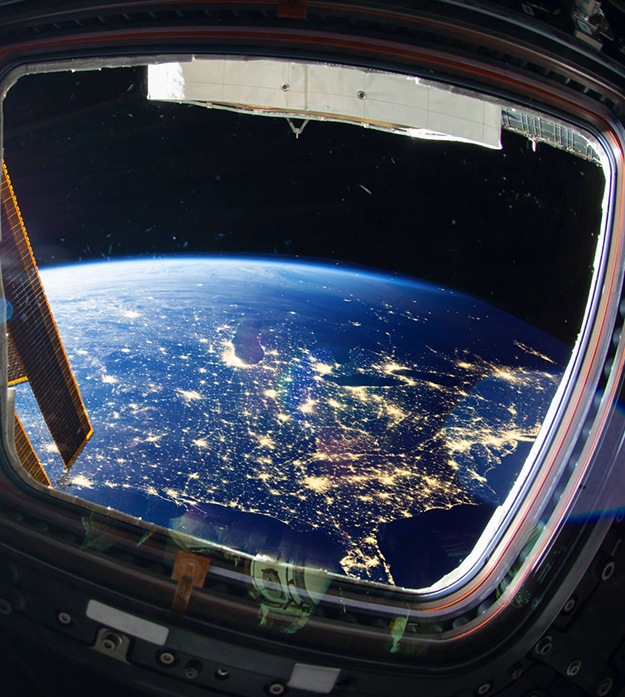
<point>330,91</point>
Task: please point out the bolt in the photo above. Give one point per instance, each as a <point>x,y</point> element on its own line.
<point>361,94</point>
<point>64,618</point>
<point>193,669</point>
<point>569,605</point>
<point>544,646</point>
<point>483,689</point>
<point>222,674</point>
<point>276,688</point>
<point>574,667</point>
<point>110,641</point>
<point>604,687</point>
<point>167,658</point>
<point>608,570</point>
<point>286,87</point>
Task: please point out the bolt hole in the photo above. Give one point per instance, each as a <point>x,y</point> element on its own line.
<point>569,605</point>
<point>608,570</point>
<point>167,658</point>
<point>64,618</point>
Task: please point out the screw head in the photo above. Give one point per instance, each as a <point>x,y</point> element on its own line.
<point>608,570</point>
<point>167,658</point>
<point>544,646</point>
<point>574,667</point>
<point>64,618</point>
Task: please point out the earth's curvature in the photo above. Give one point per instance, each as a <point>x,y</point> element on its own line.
<point>292,406</point>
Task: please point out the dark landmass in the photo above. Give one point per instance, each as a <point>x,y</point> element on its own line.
<point>246,342</point>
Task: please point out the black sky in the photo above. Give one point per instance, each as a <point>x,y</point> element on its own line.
<point>100,172</point>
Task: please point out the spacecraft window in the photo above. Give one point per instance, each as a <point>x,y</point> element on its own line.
<point>314,313</point>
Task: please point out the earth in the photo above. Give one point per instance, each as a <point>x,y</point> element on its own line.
<point>328,414</point>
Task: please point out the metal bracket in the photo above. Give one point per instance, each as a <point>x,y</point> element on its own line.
<point>190,571</point>
<point>112,643</point>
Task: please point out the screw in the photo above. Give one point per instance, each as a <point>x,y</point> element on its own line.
<point>110,641</point>
<point>276,688</point>
<point>608,570</point>
<point>574,667</point>
<point>483,689</point>
<point>167,658</point>
<point>191,673</point>
<point>64,618</point>
<point>544,646</point>
<point>222,674</point>
<point>361,94</point>
<point>570,604</point>
<point>604,687</point>
<point>286,87</point>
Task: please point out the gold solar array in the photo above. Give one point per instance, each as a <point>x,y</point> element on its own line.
<point>28,457</point>
<point>17,372</point>
<point>35,349</point>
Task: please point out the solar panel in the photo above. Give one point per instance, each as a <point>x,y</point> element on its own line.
<point>34,338</point>
<point>28,456</point>
<point>17,372</point>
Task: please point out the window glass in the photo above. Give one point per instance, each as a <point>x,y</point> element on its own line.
<point>314,341</point>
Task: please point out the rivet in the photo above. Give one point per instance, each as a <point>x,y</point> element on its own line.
<point>574,667</point>
<point>361,94</point>
<point>221,674</point>
<point>544,646</point>
<point>483,689</point>
<point>64,618</point>
<point>167,658</point>
<point>569,605</point>
<point>276,688</point>
<point>608,570</point>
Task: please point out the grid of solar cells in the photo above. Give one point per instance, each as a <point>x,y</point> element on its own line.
<point>35,335</point>
<point>17,372</point>
<point>28,457</point>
